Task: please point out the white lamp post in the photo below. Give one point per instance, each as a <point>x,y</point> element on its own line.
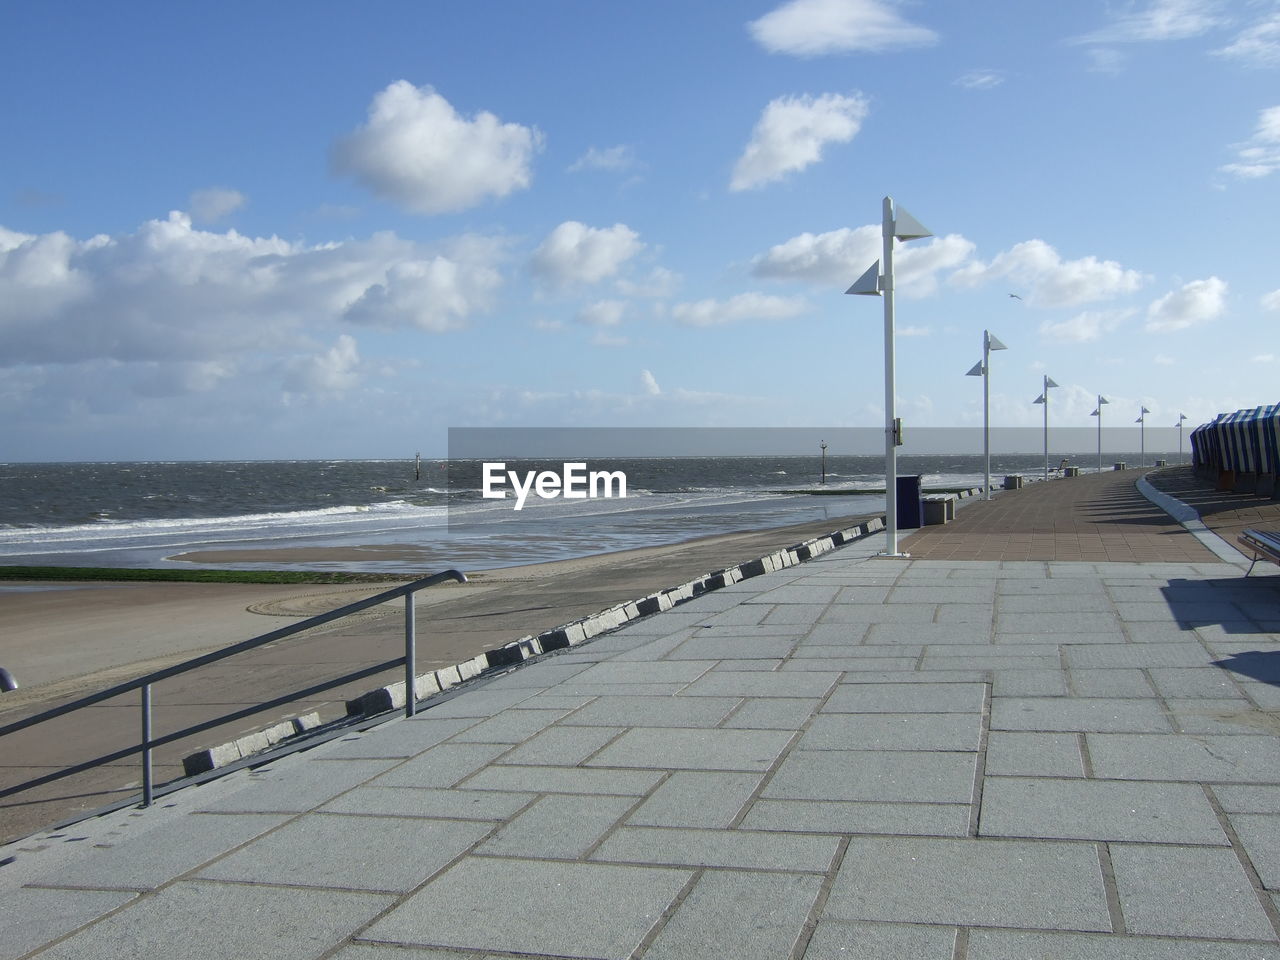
<point>895,224</point>
<point>1142,435</point>
<point>1098,413</point>
<point>1181,417</point>
<point>1044,398</point>
<point>823,445</point>
<point>983,370</point>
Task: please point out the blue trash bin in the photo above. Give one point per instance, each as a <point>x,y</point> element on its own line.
<point>910,503</point>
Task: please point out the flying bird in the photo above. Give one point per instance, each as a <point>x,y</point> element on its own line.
<point>1015,296</point>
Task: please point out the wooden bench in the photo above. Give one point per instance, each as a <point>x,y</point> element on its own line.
<point>1264,544</point>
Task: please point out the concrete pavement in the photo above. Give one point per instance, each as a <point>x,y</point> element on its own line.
<point>856,757</point>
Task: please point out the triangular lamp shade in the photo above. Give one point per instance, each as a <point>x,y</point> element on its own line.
<point>869,283</point>
<point>1039,399</point>
<point>994,344</point>
<point>1102,400</point>
<point>1048,382</point>
<point>907,227</point>
<point>976,371</point>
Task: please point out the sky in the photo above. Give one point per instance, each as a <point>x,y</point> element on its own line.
<point>335,230</point>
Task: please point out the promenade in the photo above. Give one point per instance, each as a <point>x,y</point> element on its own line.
<point>1049,733</point>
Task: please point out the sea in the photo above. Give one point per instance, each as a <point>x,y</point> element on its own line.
<point>143,515</point>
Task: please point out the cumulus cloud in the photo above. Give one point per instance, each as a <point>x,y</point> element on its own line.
<point>791,134</point>
<point>1050,281</point>
<point>214,203</point>
<point>659,283</point>
<point>810,28</point>
<point>1260,154</point>
<point>840,256</point>
<point>416,151</point>
<point>1196,302</point>
<point>1257,45</point>
<point>1158,20</point>
<point>1271,301</point>
<point>333,371</point>
<point>744,306</point>
<point>1084,327</point>
<point>650,383</point>
<point>170,292</point>
<point>616,159</point>
<point>574,254</point>
<point>602,313</point>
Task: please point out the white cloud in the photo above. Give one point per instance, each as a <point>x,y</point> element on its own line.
<point>170,292</point>
<point>809,28</point>
<point>1163,360</point>
<point>1158,20</point>
<point>1260,154</point>
<point>660,283</point>
<point>418,152</point>
<point>1271,301</point>
<point>979,79</point>
<point>744,306</point>
<point>602,338</point>
<point>214,203</point>
<point>840,257</point>
<point>333,371</point>
<point>650,384</point>
<point>575,254</point>
<point>617,159</point>
<point>1049,281</point>
<point>791,133</point>
<point>1264,358</point>
<point>1084,327</point>
<point>1257,45</point>
<point>602,313</point>
<point>1196,302</point>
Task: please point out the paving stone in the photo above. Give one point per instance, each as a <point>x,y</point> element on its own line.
<point>510,726</point>
<point>899,697</point>
<point>1183,683</point>
<point>362,951</point>
<point>986,661</point>
<point>1213,759</point>
<point>1139,655</point>
<point>626,783</point>
<point>917,676</point>
<point>1181,611</point>
<point>562,746</point>
<point>742,615</point>
<point>1041,602</point>
<point>1248,799</point>
<point>1115,682</point>
<point>761,630</point>
<point>746,684</point>
<point>794,614</point>
<point>832,664</point>
<point>893,731</point>
<point>774,713</point>
<point>868,775</point>
<point>660,671</point>
<point>797,593</point>
<point>557,827</point>
<point>689,799</point>
<point>971,882</point>
<point>1018,945</point>
<point>1078,713</point>
<point>848,635</point>
<point>1213,895</point>
<point>1109,636</point>
<point>740,915</point>
<point>750,849</point>
<point>1050,682</point>
<point>649,650</point>
<point>819,648</point>
<point>876,613</point>
<point>841,940</point>
<point>981,614</point>
<point>694,749</point>
<point>208,920</point>
<point>164,852</point>
<point>863,593</point>
<point>593,690</point>
<point>590,910</point>
<point>1086,621</point>
<point>1033,754</point>
<point>30,917</point>
<point>1074,586</point>
<point>1260,835</point>
<point>1098,810</point>
<point>477,703</point>
<point>626,711</point>
<point>442,766</point>
<point>293,787</point>
<point>736,648</point>
<point>754,666</point>
<point>960,593</point>
<point>929,632</point>
<point>849,817</point>
<point>1013,653</point>
<point>399,738</point>
<point>363,853</point>
<point>429,802</point>
<point>536,675</point>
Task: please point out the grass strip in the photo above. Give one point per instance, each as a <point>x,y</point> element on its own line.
<point>195,576</point>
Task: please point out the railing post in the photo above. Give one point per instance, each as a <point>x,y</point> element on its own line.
<point>410,657</point>
<point>146,744</point>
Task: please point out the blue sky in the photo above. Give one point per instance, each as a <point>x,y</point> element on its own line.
<point>335,230</point>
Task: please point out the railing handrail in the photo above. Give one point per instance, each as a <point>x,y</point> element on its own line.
<point>250,644</point>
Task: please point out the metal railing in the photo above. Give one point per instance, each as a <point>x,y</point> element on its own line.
<point>147,743</point>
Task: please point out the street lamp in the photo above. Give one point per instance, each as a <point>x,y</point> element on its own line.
<point>823,445</point>
<point>1098,413</point>
<point>1142,435</point>
<point>1181,418</point>
<point>900,225</point>
<point>983,370</point>
<point>1044,398</point>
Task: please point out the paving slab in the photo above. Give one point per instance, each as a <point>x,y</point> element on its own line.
<point>686,749</point>
<point>893,731</point>
<point>859,817</point>
<point>31,917</point>
<point>1201,758</point>
<point>1078,713</point>
<point>1018,945</point>
<point>897,697</point>
<point>558,827</point>
<point>842,940</point>
<point>748,849</point>
<point>678,711</point>
<point>869,775</point>
<point>1259,834</point>
<point>430,802</point>
<point>1016,754</point>
<point>697,799</point>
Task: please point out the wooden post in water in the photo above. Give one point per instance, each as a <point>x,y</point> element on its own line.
<point>417,466</point>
